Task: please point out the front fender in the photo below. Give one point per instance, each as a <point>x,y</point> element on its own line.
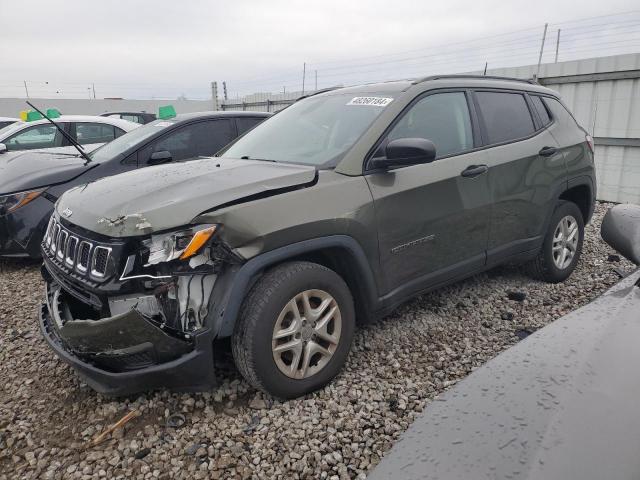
<point>233,286</point>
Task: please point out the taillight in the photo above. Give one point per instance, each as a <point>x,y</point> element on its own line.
<point>589,140</point>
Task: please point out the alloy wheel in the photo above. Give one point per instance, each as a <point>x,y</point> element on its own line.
<point>306,334</point>
<point>565,242</point>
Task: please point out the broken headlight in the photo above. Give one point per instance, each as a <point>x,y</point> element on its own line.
<point>181,244</point>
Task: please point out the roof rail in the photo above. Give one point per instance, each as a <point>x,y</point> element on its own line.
<point>317,92</point>
<point>476,77</point>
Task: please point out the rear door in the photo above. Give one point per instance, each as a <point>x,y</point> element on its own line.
<point>432,219</point>
<point>525,170</point>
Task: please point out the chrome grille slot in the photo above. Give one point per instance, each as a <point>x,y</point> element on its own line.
<point>70,255</point>
<point>84,252</point>
<point>62,244</point>
<point>47,238</point>
<point>54,238</point>
<point>99,262</point>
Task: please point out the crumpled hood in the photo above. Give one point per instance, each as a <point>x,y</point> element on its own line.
<point>166,196</point>
<point>20,171</point>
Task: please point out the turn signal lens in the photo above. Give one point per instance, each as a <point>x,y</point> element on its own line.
<point>197,242</point>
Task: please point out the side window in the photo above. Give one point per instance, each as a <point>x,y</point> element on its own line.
<point>245,124</point>
<point>38,136</point>
<point>506,116</point>
<point>118,131</point>
<point>442,118</point>
<point>132,118</point>
<point>560,113</point>
<point>87,133</point>
<point>541,109</point>
<point>198,139</point>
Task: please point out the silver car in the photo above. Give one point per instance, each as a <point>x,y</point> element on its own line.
<point>88,130</point>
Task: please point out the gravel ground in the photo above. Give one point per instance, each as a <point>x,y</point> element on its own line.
<point>398,365</point>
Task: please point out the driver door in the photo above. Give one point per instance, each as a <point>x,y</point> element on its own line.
<point>433,219</point>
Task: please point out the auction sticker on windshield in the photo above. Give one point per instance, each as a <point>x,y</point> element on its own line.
<point>371,101</point>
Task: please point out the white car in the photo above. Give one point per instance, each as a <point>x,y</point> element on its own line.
<point>4,121</point>
<point>88,130</point>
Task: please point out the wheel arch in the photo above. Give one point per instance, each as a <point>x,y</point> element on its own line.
<point>581,192</point>
<point>341,253</point>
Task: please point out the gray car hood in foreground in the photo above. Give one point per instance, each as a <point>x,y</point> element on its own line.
<point>562,404</point>
<point>162,197</point>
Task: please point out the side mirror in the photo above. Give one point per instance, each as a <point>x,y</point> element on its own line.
<point>3,148</point>
<point>407,151</point>
<point>156,158</point>
<point>621,230</point>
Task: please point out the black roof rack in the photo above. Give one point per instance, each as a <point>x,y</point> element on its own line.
<point>476,77</point>
<point>317,92</point>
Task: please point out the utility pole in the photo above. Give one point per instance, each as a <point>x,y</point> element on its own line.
<point>316,71</point>
<point>557,46</point>
<point>304,75</point>
<point>93,87</point>
<point>485,68</point>
<point>25,88</point>
<point>224,90</point>
<point>544,36</point>
<point>214,95</point>
<point>284,90</point>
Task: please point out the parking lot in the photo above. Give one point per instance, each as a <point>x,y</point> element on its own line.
<point>398,365</point>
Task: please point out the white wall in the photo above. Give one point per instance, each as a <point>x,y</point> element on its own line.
<point>11,107</point>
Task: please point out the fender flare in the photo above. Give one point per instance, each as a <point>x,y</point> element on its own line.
<point>586,181</point>
<point>236,288</point>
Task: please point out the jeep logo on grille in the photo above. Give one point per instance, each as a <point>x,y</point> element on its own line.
<point>67,212</point>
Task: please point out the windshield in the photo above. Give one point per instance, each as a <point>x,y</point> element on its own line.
<point>314,131</point>
<point>128,140</point>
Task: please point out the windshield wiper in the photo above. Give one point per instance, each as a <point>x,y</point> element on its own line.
<point>64,134</point>
<point>247,157</point>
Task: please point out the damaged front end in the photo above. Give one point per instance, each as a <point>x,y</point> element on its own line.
<point>131,314</point>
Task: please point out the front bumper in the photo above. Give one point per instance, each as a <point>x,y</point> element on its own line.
<point>127,353</point>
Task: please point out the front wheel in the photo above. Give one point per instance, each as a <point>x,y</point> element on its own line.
<point>295,329</point>
<point>562,245</point>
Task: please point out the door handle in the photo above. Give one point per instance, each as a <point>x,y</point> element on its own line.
<point>474,170</point>
<point>547,151</point>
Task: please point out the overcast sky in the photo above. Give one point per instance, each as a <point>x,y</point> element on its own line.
<point>168,47</point>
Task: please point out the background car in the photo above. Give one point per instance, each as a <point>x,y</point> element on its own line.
<point>31,182</point>
<point>89,131</point>
<point>4,121</point>
<point>137,117</point>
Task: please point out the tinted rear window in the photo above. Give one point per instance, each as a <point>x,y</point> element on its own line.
<point>542,111</point>
<point>506,116</point>
<point>245,124</point>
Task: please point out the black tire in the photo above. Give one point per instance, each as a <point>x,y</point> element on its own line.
<point>543,267</point>
<point>252,338</point>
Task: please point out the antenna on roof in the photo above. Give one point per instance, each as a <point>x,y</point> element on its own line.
<point>485,68</point>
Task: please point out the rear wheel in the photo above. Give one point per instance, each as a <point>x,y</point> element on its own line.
<point>562,245</point>
<point>295,329</point>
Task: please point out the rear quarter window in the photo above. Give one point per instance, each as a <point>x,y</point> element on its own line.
<point>560,113</point>
<point>541,110</point>
<point>506,116</point>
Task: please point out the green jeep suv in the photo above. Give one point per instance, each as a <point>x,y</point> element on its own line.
<point>338,208</point>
